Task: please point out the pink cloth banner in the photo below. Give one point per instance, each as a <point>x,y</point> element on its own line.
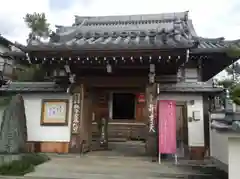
<point>167,126</point>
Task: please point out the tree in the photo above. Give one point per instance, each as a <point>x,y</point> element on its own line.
<point>39,27</point>
<point>37,23</point>
<point>232,82</point>
<point>235,94</point>
<point>32,73</point>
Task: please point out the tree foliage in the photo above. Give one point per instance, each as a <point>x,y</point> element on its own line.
<point>37,23</point>
<point>39,27</point>
<point>32,73</point>
<point>234,71</point>
<point>235,94</point>
<point>232,82</point>
<point>226,83</point>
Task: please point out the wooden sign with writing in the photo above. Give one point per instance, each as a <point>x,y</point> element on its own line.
<point>54,112</point>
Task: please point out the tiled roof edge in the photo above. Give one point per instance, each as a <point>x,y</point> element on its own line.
<point>136,17</point>
<point>32,87</point>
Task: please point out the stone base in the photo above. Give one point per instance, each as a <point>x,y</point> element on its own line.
<point>151,145</point>
<point>47,147</point>
<point>8,158</point>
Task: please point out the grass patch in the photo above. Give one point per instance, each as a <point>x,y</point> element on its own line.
<point>25,165</point>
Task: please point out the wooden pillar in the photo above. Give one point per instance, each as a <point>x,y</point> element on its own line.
<point>86,127</point>
<point>89,118</point>
<point>151,94</point>
<point>74,145</point>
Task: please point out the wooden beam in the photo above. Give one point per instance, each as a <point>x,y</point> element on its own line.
<point>120,81</point>
<point>113,81</point>
<point>105,52</point>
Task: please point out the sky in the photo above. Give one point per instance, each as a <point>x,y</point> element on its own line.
<point>211,18</point>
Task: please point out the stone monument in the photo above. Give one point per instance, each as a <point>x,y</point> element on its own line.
<point>13,131</point>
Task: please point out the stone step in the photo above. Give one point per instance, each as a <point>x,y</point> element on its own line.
<point>113,139</point>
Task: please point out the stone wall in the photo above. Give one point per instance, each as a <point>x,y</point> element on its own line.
<point>5,159</point>
<point>13,131</point>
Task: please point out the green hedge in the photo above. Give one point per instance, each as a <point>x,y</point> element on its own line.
<point>24,165</point>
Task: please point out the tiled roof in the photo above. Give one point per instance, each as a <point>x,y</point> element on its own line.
<point>214,44</point>
<point>51,86</point>
<point>201,87</point>
<point>153,31</point>
<point>157,31</point>
<point>32,87</point>
<point>225,121</point>
<point>5,41</point>
<point>129,19</point>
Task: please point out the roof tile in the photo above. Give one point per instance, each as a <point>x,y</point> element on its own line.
<point>168,30</point>
<point>190,87</point>
<point>32,87</point>
<point>51,86</point>
<point>229,123</point>
<point>149,31</point>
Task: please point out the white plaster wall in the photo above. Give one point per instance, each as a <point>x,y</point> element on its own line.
<point>36,132</point>
<point>219,146</point>
<point>195,128</point>
<point>234,158</point>
<point>225,147</point>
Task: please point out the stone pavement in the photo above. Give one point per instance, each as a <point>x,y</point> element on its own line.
<point>125,161</point>
<point>107,167</point>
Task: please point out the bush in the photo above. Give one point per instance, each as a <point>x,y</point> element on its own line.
<point>35,159</point>
<point>16,168</point>
<point>24,165</point>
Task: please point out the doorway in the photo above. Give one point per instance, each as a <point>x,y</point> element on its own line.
<point>123,106</point>
<point>182,130</point>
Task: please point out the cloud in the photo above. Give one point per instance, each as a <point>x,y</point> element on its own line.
<point>11,17</point>
<point>59,4</point>
<point>211,18</point>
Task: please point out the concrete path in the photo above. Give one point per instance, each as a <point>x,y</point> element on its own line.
<point>124,161</point>
<point>102,167</point>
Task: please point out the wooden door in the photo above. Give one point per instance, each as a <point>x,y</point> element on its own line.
<point>182,128</point>
<point>100,109</point>
<point>140,107</point>
<point>101,104</point>
<point>86,127</point>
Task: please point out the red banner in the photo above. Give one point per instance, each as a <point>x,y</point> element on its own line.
<point>167,126</point>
